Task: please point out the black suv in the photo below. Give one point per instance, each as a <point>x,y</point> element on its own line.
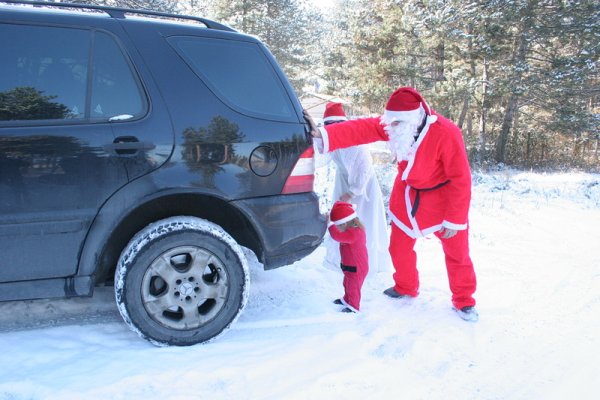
<point>142,149</point>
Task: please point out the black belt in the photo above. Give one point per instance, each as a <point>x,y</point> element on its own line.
<point>415,206</point>
<point>347,268</point>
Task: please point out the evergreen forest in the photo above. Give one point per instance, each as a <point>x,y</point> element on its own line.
<point>521,78</point>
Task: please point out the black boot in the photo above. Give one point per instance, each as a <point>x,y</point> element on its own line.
<point>468,313</point>
<point>393,294</point>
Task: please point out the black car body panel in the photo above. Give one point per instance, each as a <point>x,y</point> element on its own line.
<point>75,189</point>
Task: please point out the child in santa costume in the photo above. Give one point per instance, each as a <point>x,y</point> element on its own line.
<point>431,193</point>
<point>347,229</point>
<point>356,183</point>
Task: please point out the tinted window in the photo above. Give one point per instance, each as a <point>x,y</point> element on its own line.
<point>114,89</point>
<point>44,74</point>
<point>239,73</point>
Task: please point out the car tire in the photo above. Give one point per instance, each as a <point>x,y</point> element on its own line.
<point>181,281</point>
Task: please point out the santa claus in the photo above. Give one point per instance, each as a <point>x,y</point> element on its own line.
<point>431,192</point>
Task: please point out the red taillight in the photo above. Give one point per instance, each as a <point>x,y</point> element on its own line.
<point>303,175</point>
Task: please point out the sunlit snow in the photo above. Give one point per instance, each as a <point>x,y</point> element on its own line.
<point>534,242</point>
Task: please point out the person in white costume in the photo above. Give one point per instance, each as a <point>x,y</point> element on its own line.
<point>356,183</point>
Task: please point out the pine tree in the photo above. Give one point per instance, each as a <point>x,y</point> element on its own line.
<point>520,78</point>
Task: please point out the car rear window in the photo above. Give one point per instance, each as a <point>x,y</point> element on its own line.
<point>239,73</point>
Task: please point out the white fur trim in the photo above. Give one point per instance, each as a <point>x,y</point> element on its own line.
<point>345,219</point>
<point>431,229</point>
<point>348,305</point>
<point>409,232</point>
<point>411,159</point>
<point>335,118</point>
<point>415,226</point>
<point>431,119</point>
<point>456,227</point>
<point>325,137</point>
<point>415,116</point>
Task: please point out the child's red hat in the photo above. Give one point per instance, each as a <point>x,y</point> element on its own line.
<point>342,212</point>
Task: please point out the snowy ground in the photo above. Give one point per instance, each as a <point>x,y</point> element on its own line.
<point>535,244</point>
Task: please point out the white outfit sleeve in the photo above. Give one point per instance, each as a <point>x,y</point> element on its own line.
<point>321,159</point>
<point>324,140</point>
<point>318,145</point>
<point>357,162</point>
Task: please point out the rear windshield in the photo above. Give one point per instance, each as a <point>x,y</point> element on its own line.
<point>239,73</point>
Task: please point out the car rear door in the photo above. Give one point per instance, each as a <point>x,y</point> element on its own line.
<point>60,159</point>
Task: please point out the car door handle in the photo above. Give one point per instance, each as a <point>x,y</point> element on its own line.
<point>128,145</point>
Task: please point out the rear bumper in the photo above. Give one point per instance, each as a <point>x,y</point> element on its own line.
<point>290,227</point>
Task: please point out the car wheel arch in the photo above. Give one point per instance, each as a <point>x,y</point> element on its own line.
<point>107,236</point>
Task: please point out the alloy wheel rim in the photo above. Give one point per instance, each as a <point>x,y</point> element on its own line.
<point>185,287</point>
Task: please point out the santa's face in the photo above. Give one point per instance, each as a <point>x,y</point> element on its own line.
<point>402,128</point>
<point>402,137</point>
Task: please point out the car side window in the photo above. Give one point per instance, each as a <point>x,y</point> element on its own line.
<point>45,73</point>
<point>239,73</point>
<point>115,92</point>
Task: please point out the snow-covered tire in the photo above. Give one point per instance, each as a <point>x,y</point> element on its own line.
<point>181,281</point>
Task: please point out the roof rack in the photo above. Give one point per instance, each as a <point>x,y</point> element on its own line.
<point>117,12</point>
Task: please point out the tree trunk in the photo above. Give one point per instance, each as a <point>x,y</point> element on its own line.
<point>463,112</point>
<point>439,67</point>
<point>505,129</point>
<point>483,113</point>
<point>528,148</point>
<point>469,125</point>
<point>577,147</point>
<point>517,153</point>
<point>518,62</point>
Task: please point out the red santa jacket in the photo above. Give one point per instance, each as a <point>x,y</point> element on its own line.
<point>437,172</point>
<point>353,247</point>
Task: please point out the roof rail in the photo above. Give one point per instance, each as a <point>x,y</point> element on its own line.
<point>118,12</point>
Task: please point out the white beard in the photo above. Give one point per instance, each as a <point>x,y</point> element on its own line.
<point>402,139</point>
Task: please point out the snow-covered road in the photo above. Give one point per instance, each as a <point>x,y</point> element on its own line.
<point>534,241</point>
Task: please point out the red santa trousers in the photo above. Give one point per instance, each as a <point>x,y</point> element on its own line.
<point>354,277</point>
<point>461,275</point>
<point>355,262</point>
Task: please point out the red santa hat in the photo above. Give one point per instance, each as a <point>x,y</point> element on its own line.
<point>334,112</point>
<point>405,104</point>
<point>342,212</point>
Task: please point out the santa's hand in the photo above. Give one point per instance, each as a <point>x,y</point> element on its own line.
<point>314,131</point>
<point>447,233</point>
